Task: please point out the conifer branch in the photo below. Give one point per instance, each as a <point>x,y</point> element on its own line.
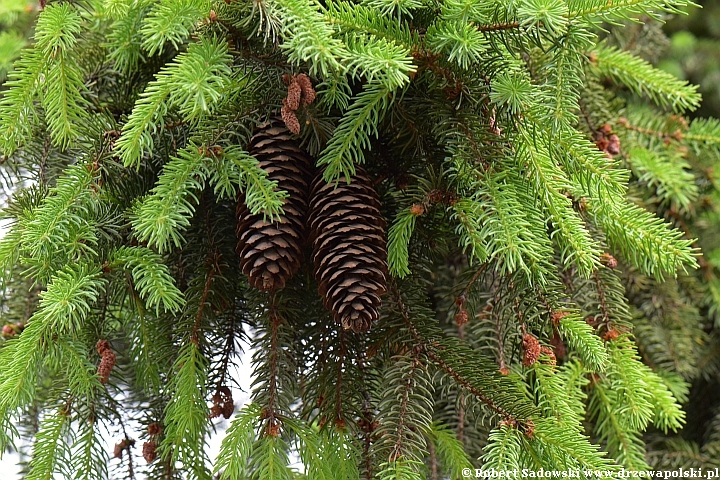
<point>50,450</point>
<point>623,444</point>
<point>194,83</point>
<point>352,135</point>
<point>515,240</point>
<point>405,409</point>
<point>644,79</point>
<point>59,230</point>
<point>124,40</point>
<point>89,458</point>
<point>186,414</point>
<point>236,447</point>
<point>460,41</point>
<point>150,277</point>
<point>363,18</point>
<point>599,176</point>
<point>171,21</point>
<point>466,213</point>
<point>402,469</point>
<point>160,217</point>
<point>644,239</point>
<point>442,351</point>
<point>617,10</point>
<point>308,37</point>
<point>398,241</point>
<point>569,447</point>
<point>548,181</point>
<point>47,70</point>
<point>503,449</point>
<point>583,340</point>
<point>671,178</point>
<point>449,450</point>
<point>703,133</point>
<point>508,209</point>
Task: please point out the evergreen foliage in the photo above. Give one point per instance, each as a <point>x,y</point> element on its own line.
<point>553,265</point>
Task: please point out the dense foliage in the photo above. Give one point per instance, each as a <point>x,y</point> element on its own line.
<point>552,289</point>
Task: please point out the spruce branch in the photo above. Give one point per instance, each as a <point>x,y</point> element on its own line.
<point>481,379</point>
<point>160,218</point>
<point>309,38</point>
<point>124,41</point>
<point>377,59</point>
<point>460,41</point>
<point>186,414</point>
<point>549,182</point>
<point>352,135</point>
<point>467,213</point>
<point>623,444</point>
<point>449,449</point>
<point>364,19</point>
<point>194,83</point>
<point>548,15</point>
<point>261,193</point>
<point>326,454</point>
<point>703,133</point>
<point>171,22</point>
<point>559,94</point>
<point>510,194</point>
<point>569,448</point>
<point>402,469</point>
<point>599,176</point>
<point>51,451</point>
<point>643,239</point>
<point>398,240</point>
<point>48,70</point>
<point>149,343</point>
<point>503,449</point>
<point>63,310</point>
<point>405,409</point>
<point>584,341</point>
<point>270,458</point>
<point>671,177</point>
<point>61,228</point>
<point>644,79</point>
<point>150,277</point>
<point>515,238</point>
<point>236,447</point>
<point>617,10</point>
<point>89,457</point>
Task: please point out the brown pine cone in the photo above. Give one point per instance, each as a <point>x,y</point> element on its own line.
<point>272,252</point>
<point>349,249</point>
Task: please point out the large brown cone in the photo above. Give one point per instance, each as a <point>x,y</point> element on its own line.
<point>349,249</point>
<point>271,252</point>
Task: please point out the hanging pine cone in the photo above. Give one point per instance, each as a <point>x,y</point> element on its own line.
<point>271,252</point>
<point>349,249</point>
